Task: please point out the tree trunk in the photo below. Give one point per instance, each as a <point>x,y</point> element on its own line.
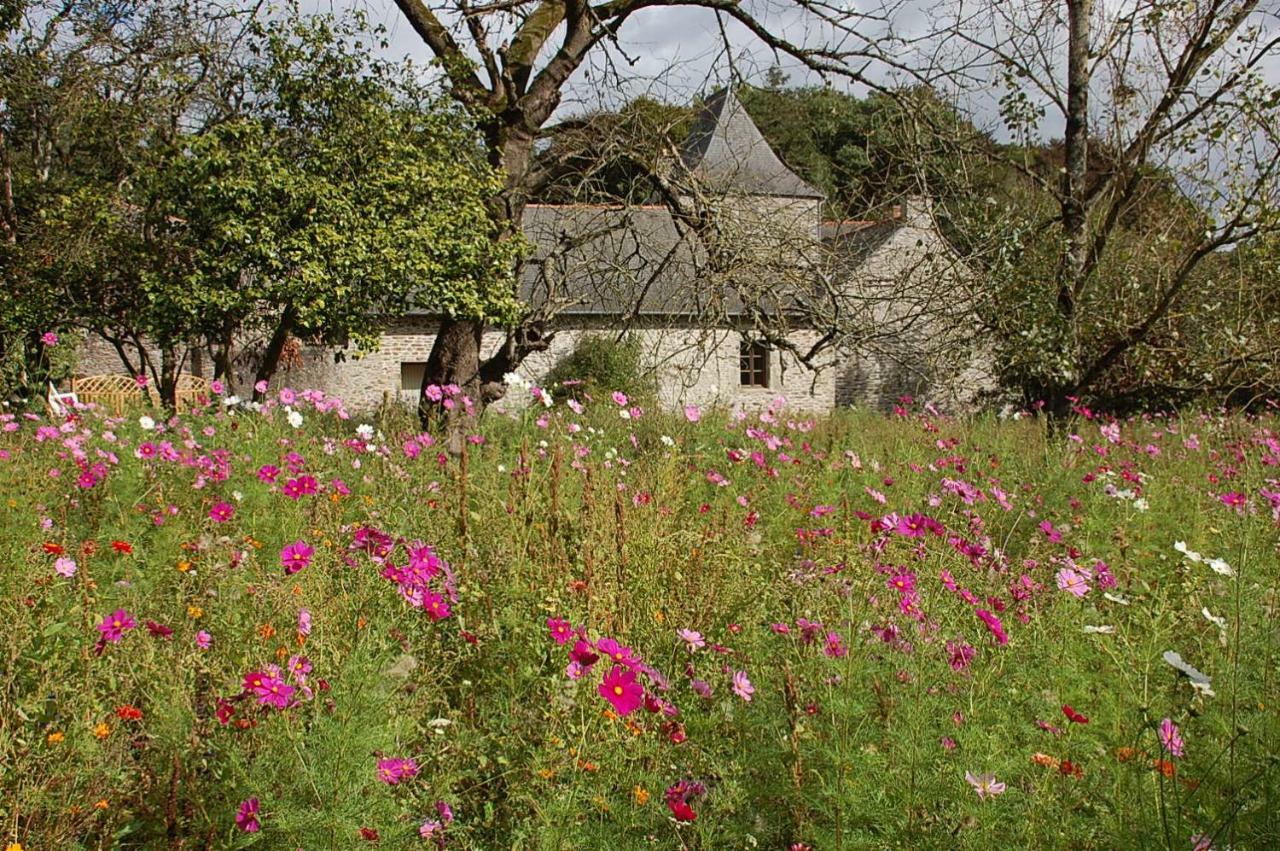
<point>455,355</point>
<point>275,347</point>
<point>169,378</point>
<point>454,362</point>
<point>1075,214</point>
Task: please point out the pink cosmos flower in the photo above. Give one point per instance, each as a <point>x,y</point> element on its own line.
<point>1073,582</point>
<point>618,653</point>
<point>295,557</point>
<point>985,785</point>
<point>203,640</point>
<point>560,630</point>
<point>222,512</point>
<point>269,689</point>
<point>994,625</point>
<point>1171,737</point>
<point>65,567</point>
<point>693,638</point>
<point>619,398</point>
<point>304,622</point>
<point>394,771</point>
<point>742,686</point>
<point>435,606</point>
<point>247,816</point>
<point>49,338</point>
<point>113,626</point>
<point>621,690</point>
<point>299,667</point>
<point>692,413</point>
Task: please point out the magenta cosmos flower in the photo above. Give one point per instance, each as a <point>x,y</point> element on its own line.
<point>560,629</point>
<point>247,816</point>
<point>397,769</point>
<point>295,556</point>
<point>222,512</point>
<point>621,690</point>
<point>113,626</point>
<point>269,688</point>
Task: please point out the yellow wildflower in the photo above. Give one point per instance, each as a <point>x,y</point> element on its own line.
<point>55,737</point>
<point>102,730</point>
<point>184,566</point>
<point>641,795</point>
<point>195,612</point>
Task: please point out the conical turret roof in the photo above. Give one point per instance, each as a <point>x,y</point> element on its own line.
<point>726,152</point>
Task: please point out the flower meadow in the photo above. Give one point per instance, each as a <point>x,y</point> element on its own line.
<point>603,626</point>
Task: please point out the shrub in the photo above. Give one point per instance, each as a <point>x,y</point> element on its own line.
<point>602,363</point>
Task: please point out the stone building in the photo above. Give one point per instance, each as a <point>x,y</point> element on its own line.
<point>693,298</point>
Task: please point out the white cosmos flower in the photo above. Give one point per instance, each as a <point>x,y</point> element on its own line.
<point>364,431</point>
<point>146,423</point>
<point>294,418</point>
<point>667,441</point>
<point>1219,622</point>
<point>1204,688</point>
<point>1100,630</point>
<point>1116,598</point>
<point>1141,504</point>
<point>1218,565</point>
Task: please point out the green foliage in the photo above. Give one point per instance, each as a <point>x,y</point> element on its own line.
<point>348,194</point>
<point>600,364</point>
<point>312,191</point>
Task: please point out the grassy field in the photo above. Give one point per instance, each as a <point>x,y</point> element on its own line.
<point>608,628</point>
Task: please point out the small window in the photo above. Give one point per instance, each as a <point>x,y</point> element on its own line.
<point>753,364</point>
<point>411,375</point>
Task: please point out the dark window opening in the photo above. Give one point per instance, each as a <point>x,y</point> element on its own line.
<point>753,364</point>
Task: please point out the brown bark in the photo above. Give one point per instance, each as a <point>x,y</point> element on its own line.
<point>271,357</point>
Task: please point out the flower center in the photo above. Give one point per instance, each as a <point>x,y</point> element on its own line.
<point>617,690</point>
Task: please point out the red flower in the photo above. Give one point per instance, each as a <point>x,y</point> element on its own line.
<point>129,713</point>
<point>53,549</point>
<point>1070,769</point>
<point>1073,716</point>
<point>369,834</point>
<point>122,547</point>
<point>681,810</point>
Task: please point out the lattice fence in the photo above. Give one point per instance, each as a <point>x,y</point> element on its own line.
<point>115,391</point>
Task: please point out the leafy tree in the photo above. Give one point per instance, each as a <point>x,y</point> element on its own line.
<point>344,195</point>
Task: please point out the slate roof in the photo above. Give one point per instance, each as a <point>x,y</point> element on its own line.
<point>857,243</point>
<point>610,261</point>
<point>726,152</point>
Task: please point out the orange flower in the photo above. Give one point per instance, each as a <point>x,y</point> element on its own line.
<point>266,630</point>
<point>102,804</point>
<point>1044,759</point>
<point>1126,754</point>
<point>1165,768</point>
<point>55,737</point>
<point>641,795</point>
<point>102,730</point>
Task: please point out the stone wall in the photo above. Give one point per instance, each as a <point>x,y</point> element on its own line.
<point>916,343</point>
<point>693,366</point>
